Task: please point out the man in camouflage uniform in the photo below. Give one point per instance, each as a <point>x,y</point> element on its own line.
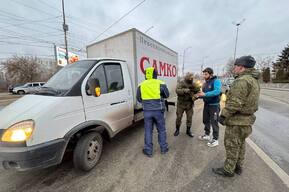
<point>238,114</point>
<point>185,91</point>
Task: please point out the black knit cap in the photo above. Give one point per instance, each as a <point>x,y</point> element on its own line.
<point>208,70</point>
<point>246,61</point>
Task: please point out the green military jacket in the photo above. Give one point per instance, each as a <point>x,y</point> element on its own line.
<point>242,99</point>
<point>185,91</point>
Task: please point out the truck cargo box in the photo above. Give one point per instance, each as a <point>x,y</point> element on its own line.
<point>139,51</point>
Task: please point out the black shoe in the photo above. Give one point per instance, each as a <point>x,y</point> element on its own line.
<point>177,132</point>
<point>164,151</point>
<point>189,133</point>
<point>238,170</point>
<point>147,154</point>
<point>222,172</point>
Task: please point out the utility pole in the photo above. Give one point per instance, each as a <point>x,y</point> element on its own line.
<point>184,55</point>
<point>55,52</point>
<point>65,29</point>
<point>236,41</point>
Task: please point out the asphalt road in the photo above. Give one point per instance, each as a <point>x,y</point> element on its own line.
<point>6,98</point>
<point>279,95</point>
<point>271,129</point>
<point>123,167</point>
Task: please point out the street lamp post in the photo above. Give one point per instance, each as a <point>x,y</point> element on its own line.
<point>237,28</point>
<point>184,54</point>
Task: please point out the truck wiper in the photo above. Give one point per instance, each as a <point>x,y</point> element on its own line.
<point>47,91</point>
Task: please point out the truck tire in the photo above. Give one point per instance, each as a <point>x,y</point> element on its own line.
<point>87,151</point>
<point>20,92</point>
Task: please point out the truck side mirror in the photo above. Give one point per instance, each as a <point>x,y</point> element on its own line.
<point>94,87</point>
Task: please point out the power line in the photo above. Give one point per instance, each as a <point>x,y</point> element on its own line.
<point>36,9</point>
<point>18,43</point>
<point>52,7</point>
<point>2,14</point>
<point>117,21</point>
<point>16,17</point>
<point>41,40</point>
<point>74,19</point>
<point>31,21</point>
<point>25,37</point>
<point>28,54</point>
<point>24,19</point>
<point>26,40</point>
<point>83,20</point>
<point>5,29</point>
<point>83,25</point>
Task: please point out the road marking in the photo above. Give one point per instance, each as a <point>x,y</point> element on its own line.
<point>279,172</point>
<point>274,99</point>
<point>12,99</point>
<point>275,89</point>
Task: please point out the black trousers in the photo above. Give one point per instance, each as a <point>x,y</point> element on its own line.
<point>210,118</point>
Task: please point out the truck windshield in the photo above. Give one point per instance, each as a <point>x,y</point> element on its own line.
<point>66,78</point>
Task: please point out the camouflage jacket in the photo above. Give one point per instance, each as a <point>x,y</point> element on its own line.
<point>186,91</point>
<point>242,99</point>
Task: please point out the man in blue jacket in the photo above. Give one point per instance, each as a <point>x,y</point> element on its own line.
<point>211,97</point>
<point>151,93</point>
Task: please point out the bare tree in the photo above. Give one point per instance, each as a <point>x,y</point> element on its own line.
<point>264,62</point>
<point>22,69</point>
<point>229,67</point>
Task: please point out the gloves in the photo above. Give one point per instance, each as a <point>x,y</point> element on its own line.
<point>194,98</point>
<point>222,120</point>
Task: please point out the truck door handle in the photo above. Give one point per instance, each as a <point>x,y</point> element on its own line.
<point>116,103</point>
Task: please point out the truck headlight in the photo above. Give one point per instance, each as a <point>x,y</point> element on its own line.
<point>18,132</point>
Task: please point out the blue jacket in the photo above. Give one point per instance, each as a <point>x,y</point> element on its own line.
<point>212,90</point>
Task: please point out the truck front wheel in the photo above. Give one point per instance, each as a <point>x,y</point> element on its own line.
<point>87,151</point>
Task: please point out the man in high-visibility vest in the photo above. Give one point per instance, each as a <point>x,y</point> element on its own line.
<point>151,93</point>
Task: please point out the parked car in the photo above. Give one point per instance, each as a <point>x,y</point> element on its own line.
<point>11,87</point>
<point>28,88</point>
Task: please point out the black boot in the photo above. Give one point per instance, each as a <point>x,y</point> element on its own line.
<point>222,172</point>
<point>189,133</point>
<point>238,170</point>
<point>177,132</point>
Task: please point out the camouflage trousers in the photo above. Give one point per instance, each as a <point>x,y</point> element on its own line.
<point>189,109</point>
<point>235,146</point>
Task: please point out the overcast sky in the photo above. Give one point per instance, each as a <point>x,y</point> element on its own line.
<point>204,25</point>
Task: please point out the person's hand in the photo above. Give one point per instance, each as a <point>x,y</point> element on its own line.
<point>222,120</point>
<point>194,97</point>
<point>201,94</point>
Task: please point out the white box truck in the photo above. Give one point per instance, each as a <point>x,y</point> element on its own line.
<point>83,103</point>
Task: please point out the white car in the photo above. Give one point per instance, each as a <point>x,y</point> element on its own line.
<point>28,88</point>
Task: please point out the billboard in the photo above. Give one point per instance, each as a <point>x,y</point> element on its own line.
<point>60,54</point>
